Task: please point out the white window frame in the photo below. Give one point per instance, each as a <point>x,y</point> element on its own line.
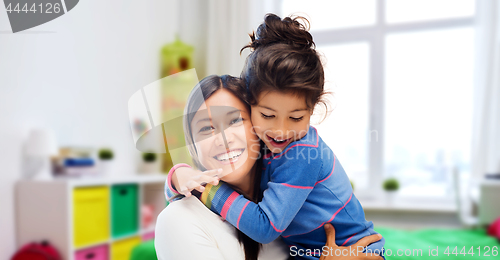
<point>375,35</point>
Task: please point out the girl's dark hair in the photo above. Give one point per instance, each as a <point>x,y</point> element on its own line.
<point>284,59</point>
<point>202,91</point>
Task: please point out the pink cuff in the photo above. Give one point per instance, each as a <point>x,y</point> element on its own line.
<point>171,172</point>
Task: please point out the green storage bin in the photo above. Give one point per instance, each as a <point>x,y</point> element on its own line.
<point>144,251</point>
<point>125,210</point>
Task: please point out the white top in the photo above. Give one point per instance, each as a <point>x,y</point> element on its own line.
<point>186,229</point>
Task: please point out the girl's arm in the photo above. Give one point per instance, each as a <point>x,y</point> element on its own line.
<point>287,191</point>
<point>182,179</point>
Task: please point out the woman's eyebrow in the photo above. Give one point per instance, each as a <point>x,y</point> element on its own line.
<point>203,120</point>
<point>234,111</point>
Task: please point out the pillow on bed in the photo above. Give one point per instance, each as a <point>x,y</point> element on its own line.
<point>494,229</point>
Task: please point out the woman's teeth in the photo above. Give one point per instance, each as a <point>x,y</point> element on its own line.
<point>230,155</point>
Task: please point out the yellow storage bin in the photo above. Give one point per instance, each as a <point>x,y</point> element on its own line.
<point>121,250</point>
<point>90,215</point>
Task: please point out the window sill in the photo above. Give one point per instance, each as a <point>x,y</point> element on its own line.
<point>406,205</point>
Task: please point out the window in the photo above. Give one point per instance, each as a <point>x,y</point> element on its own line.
<point>428,101</point>
<point>426,10</point>
<point>401,74</point>
<point>345,130</point>
<point>333,14</point>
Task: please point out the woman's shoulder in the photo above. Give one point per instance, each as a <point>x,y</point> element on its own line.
<point>187,225</point>
<point>186,210</point>
<point>187,228</point>
<point>189,215</point>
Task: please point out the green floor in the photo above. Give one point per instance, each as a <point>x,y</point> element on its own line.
<point>416,244</point>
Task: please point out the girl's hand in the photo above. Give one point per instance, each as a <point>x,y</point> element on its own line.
<point>343,252</point>
<point>186,179</point>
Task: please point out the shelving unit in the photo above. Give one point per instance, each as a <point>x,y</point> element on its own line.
<point>88,218</point>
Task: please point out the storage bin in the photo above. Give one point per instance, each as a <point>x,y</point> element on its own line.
<point>144,251</point>
<point>121,249</point>
<point>148,236</point>
<point>75,215</point>
<point>91,215</point>
<point>93,253</point>
<point>124,210</point>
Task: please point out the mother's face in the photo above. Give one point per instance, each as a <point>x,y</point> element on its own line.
<point>237,150</point>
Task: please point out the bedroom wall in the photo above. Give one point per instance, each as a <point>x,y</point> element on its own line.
<point>75,75</point>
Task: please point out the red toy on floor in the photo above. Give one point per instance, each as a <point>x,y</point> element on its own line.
<point>494,229</point>
<point>37,251</point>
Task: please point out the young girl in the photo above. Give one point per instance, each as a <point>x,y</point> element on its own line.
<point>303,182</point>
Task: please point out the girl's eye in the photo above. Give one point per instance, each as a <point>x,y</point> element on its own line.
<point>235,121</point>
<point>266,116</point>
<point>206,129</point>
<point>296,119</point>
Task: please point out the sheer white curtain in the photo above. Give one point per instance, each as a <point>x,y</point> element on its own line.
<point>486,121</point>
<point>218,29</point>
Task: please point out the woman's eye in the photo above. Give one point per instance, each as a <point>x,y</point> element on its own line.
<point>206,129</point>
<point>235,121</point>
<point>266,116</point>
<point>296,119</point>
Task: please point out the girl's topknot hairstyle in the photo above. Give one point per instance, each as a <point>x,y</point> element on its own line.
<point>288,31</point>
<point>284,59</point>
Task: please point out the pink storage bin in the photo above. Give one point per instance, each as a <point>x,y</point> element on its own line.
<point>148,236</point>
<point>93,253</point>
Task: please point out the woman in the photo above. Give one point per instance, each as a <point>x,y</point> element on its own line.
<point>187,229</point>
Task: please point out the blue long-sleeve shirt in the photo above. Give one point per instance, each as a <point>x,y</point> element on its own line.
<point>304,187</point>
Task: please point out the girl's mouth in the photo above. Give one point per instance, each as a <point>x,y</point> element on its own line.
<point>278,143</point>
<point>229,157</point>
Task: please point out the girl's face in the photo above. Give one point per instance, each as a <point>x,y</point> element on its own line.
<point>236,151</point>
<point>280,118</point>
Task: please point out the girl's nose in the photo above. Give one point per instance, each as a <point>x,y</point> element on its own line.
<point>281,128</point>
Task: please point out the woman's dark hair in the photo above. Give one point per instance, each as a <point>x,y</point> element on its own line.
<point>202,91</point>
<point>284,59</point>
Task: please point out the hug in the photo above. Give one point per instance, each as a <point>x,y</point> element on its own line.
<point>254,198</point>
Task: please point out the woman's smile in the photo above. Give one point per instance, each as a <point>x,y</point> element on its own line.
<point>229,157</point>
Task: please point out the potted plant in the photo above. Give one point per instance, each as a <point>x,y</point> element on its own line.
<point>105,158</point>
<point>105,154</point>
<point>391,186</point>
<point>149,163</point>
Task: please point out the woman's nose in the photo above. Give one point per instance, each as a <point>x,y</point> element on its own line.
<point>224,137</point>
